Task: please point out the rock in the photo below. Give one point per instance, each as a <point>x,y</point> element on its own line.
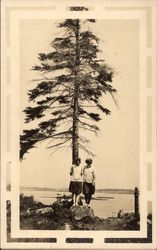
<point>81,212</point>
<point>25,213</point>
<point>45,210</point>
<point>39,211</point>
<point>67,226</point>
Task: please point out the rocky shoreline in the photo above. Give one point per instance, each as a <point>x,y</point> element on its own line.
<point>61,215</point>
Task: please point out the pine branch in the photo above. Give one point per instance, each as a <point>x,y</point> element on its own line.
<point>58,144</point>
<point>116,103</point>
<point>91,130</point>
<point>61,99</point>
<point>87,35</point>
<point>91,20</point>
<point>86,150</point>
<point>43,88</point>
<point>29,139</point>
<point>83,139</point>
<point>89,125</point>
<point>93,116</point>
<point>62,133</point>
<point>59,148</point>
<point>48,68</point>
<point>33,112</point>
<point>60,106</point>
<point>50,125</point>
<point>104,110</point>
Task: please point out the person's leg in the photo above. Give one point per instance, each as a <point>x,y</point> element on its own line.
<point>74,192</point>
<point>85,193</point>
<point>89,198</point>
<point>74,199</point>
<point>86,198</point>
<point>77,199</point>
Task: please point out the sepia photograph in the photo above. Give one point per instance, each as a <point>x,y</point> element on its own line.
<point>78,124</point>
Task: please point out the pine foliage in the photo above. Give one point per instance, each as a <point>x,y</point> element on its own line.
<point>54,96</point>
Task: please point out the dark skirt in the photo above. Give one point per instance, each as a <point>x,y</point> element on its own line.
<point>88,188</point>
<point>75,187</point>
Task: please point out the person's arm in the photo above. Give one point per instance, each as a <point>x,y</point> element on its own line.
<point>82,171</point>
<point>94,176</point>
<point>71,170</point>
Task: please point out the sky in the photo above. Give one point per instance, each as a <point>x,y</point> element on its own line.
<point>117,145</point>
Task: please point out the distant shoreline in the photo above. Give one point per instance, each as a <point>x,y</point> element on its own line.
<point>111,191</point>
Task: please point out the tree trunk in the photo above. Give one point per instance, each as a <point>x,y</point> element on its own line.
<point>75,143</point>
<point>75,146</point>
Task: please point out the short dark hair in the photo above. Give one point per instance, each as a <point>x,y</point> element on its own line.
<point>89,160</point>
<point>78,159</point>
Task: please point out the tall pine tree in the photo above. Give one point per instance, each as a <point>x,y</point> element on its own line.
<point>74,82</point>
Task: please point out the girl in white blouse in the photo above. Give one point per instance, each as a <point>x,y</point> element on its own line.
<point>75,186</point>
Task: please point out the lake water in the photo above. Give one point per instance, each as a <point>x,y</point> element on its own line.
<point>102,208</point>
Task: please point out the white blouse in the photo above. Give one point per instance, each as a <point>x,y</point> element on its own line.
<point>89,174</point>
<point>76,173</point>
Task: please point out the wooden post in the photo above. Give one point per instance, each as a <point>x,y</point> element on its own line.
<point>136,194</point>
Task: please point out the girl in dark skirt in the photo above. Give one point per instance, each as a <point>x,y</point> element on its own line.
<point>75,186</point>
<point>88,181</point>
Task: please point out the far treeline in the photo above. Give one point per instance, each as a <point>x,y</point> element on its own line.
<point>111,191</point>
